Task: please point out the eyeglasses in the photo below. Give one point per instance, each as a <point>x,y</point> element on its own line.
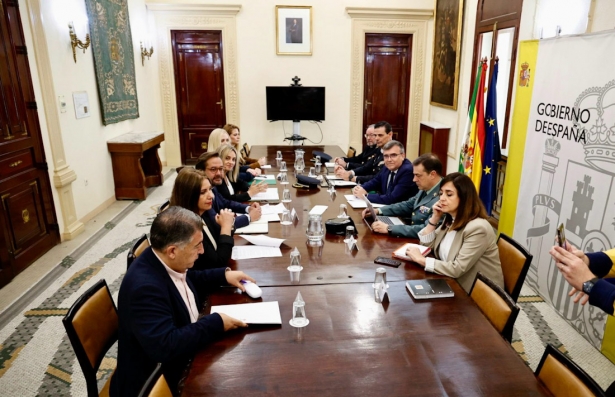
<point>391,156</point>
<point>216,170</point>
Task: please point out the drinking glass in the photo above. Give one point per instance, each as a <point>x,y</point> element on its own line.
<point>349,233</point>
<point>278,155</point>
<point>299,318</point>
<point>283,179</point>
<point>286,218</point>
<point>318,167</point>
<point>283,166</point>
<point>312,173</point>
<point>343,211</point>
<point>286,196</point>
<point>314,231</point>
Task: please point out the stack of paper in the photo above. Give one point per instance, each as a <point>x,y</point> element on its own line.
<point>356,202</point>
<point>318,210</point>
<point>252,313</point>
<point>341,183</point>
<point>259,226</point>
<point>270,195</point>
<point>401,251</point>
<point>264,247</point>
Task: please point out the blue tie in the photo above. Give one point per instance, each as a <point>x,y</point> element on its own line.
<point>390,182</point>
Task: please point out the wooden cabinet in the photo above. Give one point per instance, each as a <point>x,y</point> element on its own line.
<point>434,139</point>
<point>136,165</point>
<point>28,225</point>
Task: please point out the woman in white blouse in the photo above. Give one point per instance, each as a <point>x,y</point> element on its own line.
<point>465,243</point>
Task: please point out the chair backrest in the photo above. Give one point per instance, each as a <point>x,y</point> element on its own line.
<point>496,305</point>
<point>164,206</point>
<point>351,152</point>
<point>137,249</point>
<point>92,328</point>
<point>246,147</point>
<point>562,377</point>
<point>156,385</point>
<point>515,262</point>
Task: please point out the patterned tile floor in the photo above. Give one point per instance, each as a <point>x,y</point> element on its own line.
<point>36,358</point>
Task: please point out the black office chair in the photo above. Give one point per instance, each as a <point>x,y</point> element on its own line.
<point>137,249</point>
<point>515,262</point>
<point>562,377</point>
<point>92,328</point>
<point>164,206</point>
<point>247,148</point>
<point>496,305</point>
<point>156,385</point>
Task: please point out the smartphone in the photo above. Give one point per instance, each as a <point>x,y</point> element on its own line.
<point>560,236</point>
<point>381,260</point>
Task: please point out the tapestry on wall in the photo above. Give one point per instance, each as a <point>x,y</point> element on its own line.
<point>566,112</point>
<point>113,59</point>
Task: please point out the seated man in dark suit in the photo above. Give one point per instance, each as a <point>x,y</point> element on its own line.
<point>394,183</point>
<point>427,176</point>
<point>211,163</point>
<point>383,133</point>
<point>159,303</point>
<point>368,152</point>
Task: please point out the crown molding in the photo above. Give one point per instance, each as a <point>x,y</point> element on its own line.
<point>390,13</point>
<point>209,9</point>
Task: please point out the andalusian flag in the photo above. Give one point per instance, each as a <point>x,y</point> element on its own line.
<point>473,145</point>
<point>492,154</point>
<point>465,156</point>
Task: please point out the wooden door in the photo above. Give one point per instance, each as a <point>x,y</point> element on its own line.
<point>28,225</point>
<point>199,84</point>
<point>387,81</point>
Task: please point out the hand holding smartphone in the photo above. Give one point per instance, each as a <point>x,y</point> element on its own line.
<point>560,236</point>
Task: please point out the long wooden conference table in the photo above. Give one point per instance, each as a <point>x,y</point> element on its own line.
<point>353,346</point>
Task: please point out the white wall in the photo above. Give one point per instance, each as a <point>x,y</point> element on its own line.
<point>85,139</point>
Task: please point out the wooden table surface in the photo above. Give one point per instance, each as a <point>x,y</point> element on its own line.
<point>353,346</point>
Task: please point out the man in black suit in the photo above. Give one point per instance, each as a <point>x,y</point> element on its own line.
<point>159,303</point>
<point>383,133</point>
<point>360,159</point>
<point>211,163</point>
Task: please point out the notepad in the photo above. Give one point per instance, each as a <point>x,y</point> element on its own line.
<point>401,251</point>
<point>356,202</point>
<point>252,313</point>
<point>260,226</point>
<point>429,288</point>
<point>341,183</point>
<point>271,194</point>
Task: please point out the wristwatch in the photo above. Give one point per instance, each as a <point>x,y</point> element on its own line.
<point>389,229</point>
<point>589,285</point>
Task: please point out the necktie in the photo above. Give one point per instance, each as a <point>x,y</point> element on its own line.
<point>390,182</point>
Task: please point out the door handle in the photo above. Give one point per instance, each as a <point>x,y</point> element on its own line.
<point>367,103</point>
<point>221,103</point>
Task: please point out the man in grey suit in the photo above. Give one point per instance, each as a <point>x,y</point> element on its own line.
<point>427,176</point>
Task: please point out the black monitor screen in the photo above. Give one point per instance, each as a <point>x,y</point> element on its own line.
<point>296,103</point>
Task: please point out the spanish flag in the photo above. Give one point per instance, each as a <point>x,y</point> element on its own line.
<point>465,155</point>
<point>475,137</point>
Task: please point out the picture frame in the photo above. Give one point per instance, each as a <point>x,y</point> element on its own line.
<point>446,53</point>
<point>293,30</point>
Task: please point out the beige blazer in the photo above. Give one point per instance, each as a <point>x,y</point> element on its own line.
<point>474,250</point>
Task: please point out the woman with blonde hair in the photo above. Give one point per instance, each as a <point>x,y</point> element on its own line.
<point>465,243</point>
<point>235,136</point>
<point>217,138</point>
<point>193,191</point>
<point>233,188</point>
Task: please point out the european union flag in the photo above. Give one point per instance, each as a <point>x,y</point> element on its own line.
<point>491,155</point>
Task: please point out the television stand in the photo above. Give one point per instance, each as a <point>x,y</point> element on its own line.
<point>296,138</point>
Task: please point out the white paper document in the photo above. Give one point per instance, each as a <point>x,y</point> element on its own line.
<point>356,202</point>
<point>329,165</point>
<point>342,183</point>
<point>334,178</point>
<point>270,194</point>
<point>264,167</point>
<point>254,252</point>
<point>264,241</point>
<point>270,217</point>
<point>260,226</point>
<point>252,313</point>
<point>318,209</point>
<point>272,209</point>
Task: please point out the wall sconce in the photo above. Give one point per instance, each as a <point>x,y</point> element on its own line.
<point>146,53</point>
<point>75,42</point>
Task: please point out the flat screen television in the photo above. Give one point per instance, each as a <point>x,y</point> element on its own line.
<point>295,103</point>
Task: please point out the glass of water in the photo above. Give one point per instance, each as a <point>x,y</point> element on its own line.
<point>315,231</point>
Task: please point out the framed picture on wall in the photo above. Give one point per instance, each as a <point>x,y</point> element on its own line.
<point>446,53</point>
<point>293,30</point>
